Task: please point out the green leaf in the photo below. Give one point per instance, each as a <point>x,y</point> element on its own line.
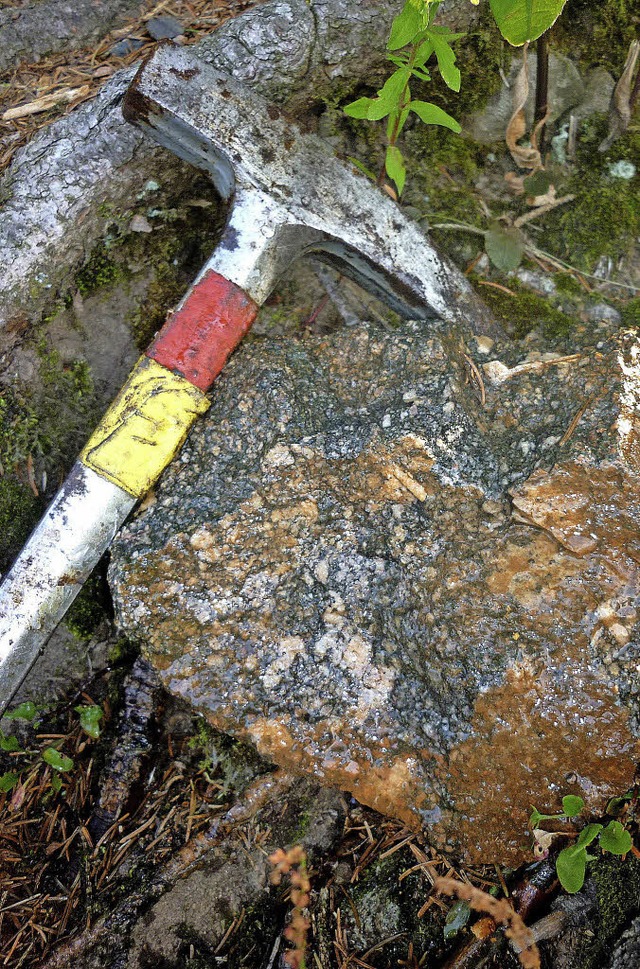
<point>617,804</point>
<point>447,63</point>
<point>24,711</point>
<point>457,917</point>
<point>398,59</point>
<point>446,33</point>
<point>572,805</point>
<point>90,717</point>
<point>57,760</point>
<point>392,89</point>
<point>537,184</point>
<point>424,52</point>
<point>536,818</point>
<point>378,109</point>
<point>571,866</point>
<point>56,782</point>
<point>587,835</point>
<point>8,744</point>
<point>359,108</point>
<point>400,118</point>
<point>406,26</point>
<point>7,782</point>
<point>615,839</point>
<point>363,168</point>
<point>395,167</point>
<point>523,20</point>
<point>432,114</point>
<point>505,249</point>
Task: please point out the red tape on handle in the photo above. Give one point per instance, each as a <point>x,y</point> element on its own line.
<point>197,341</point>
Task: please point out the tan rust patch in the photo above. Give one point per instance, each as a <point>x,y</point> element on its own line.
<point>518,595</point>
<point>545,741</point>
<point>393,787</point>
<point>587,509</point>
<point>533,571</point>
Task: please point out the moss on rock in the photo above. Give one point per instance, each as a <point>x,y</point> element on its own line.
<point>604,218</point>
<point>599,34</point>
<point>387,901</point>
<point>19,512</point>
<point>90,609</point>
<point>525,310</point>
<point>41,428</point>
<point>99,270</point>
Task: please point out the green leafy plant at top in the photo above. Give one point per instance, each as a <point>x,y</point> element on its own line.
<point>414,39</point>
<point>571,863</point>
<point>520,21</point>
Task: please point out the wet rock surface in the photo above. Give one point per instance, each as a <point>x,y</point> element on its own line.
<point>566,91</point>
<point>42,27</point>
<point>408,567</point>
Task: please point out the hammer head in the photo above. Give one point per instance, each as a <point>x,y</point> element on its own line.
<point>290,195</point>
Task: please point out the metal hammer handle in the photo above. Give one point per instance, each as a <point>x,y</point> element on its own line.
<point>134,442</point>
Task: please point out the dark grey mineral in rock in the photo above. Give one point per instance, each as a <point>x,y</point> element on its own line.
<point>408,567</point>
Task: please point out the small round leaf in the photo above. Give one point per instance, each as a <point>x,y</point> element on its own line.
<point>24,711</point>
<point>504,247</point>
<point>615,838</point>
<point>56,760</point>
<point>572,805</point>
<point>571,866</point>
<point>90,717</point>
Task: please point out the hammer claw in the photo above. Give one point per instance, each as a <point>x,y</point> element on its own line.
<point>277,177</point>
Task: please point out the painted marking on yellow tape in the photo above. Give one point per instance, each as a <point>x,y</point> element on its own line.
<point>144,427</point>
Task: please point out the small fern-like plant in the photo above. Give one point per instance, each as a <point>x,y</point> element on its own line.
<point>414,39</point>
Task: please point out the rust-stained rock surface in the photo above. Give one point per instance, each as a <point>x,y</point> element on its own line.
<point>409,567</point>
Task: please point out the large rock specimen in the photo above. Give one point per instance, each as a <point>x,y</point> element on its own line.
<point>408,572</point>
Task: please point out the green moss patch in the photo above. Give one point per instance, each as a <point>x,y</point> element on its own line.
<point>604,218</point>
<point>19,513</point>
<point>524,311</point>
<point>99,270</point>
<point>617,883</point>
<point>90,609</point>
<point>630,312</point>
<point>599,33</point>
<point>480,55</point>
<point>42,427</point>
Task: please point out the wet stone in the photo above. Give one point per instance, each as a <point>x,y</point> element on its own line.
<point>408,577</point>
<point>164,28</point>
<point>126,46</point>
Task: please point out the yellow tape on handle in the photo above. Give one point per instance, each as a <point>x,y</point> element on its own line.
<point>144,427</point>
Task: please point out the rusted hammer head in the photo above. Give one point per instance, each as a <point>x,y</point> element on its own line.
<point>291,195</point>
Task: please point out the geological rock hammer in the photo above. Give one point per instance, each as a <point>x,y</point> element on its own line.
<point>289,196</point>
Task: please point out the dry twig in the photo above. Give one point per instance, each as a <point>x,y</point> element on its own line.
<point>501,912</point>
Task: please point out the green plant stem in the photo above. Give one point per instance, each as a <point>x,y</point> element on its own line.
<point>542,86</point>
<point>393,137</point>
<point>533,251</point>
